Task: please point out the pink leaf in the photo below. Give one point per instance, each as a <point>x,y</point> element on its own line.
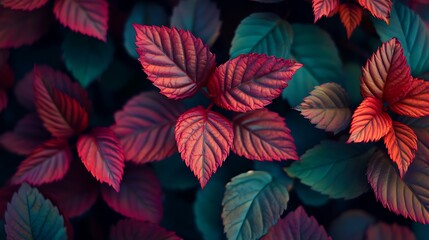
<point>174,60</point>
<point>378,8</point>
<point>133,230</point>
<point>89,17</point>
<point>392,232</point>
<point>28,5</point>
<point>140,196</point>
<point>324,8</point>
<point>102,154</point>
<point>204,139</point>
<point>250,81</point>
<point>263,135</point>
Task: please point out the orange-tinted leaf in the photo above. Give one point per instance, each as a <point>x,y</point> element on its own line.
<point>392,232</point>
<point>263,135</point>
<point>386,74</point>
<point>28,5</point>
<point>350,15</point>
<point>174,60</point>
<point>369,121</point>
<point>47,163</point>
<point>401,143</point>
<point>327,107</point>
<point>204,139</point>
<point>324,8</point>
<point>250,81</point>
<point>416,102</point>
<point>378,8</point>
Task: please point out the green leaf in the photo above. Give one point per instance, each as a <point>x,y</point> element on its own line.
<point>334,168</point>
<point>314,48</point>
<point>276,171</point>
<point>351,225</point>
<point>30,216</point>
<point>253,202</point>
<point>262,33</point>
<point>411,31</point>
<point>351,75</point>
<point>308,196</point>
<point>143,13</point>
<point>420,230</point>
<point>86,57</point>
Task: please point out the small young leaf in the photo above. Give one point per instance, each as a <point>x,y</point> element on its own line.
<point>174,60</point>
<point>252,203</point>
<point>87,17</point>
<point>204,139</point>
<point>324,8</point>
<point>28,5</point>
<point>133,230</point>
<point>327,107</point>
<point>416,102</point>
<point>101,153</point>
<point>47,163</point>
<point>351,225</point>
<point>30,216</point>
<point>369,121</point>
<point>250,82</point>
<point>140,195</point>
<point>297,225</point>
<point>263,135</point>
<point>378,8</point>
<point>385,231</point>
<point>350,15</point>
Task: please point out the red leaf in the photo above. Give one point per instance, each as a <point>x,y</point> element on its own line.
<point>101,153</point>
<point>324,8</point>
<point>386,74</point>
<point>401,143</point>
<point>369,121</point>
<point>204,139</point>
<point>250,81</point>
<point>350,16</point>
<point>378,8</point>
<point>28,134</point>
<point>145,127</point>
<point>84,16</point>
<point>3,99</point>
<point>28,5</point>
<point>60,103</point>
<point>20,28</point>
<point>416,102</point>
<point>140,196</point>
<point>47,163</point>
<point>133,230</point>
<point>174,60</point>
<point>384,231</point>
<point>263,135</point>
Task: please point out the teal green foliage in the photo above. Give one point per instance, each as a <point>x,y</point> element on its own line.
<point>308,196</point>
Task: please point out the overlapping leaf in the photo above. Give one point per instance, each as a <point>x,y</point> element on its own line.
<point>416,102</point>
<point>327,107</point>
<point>145,127</point>
<point>174,60</point>
<point>140,195</point>
<point>385,231</point>
<point>24,91</point>
<point>420,127</point>
<point>102,154</point>
<point>252,203</point>
<point>28,5</point>
<point>297,225</point>
<point>324,8</point>
<point>351,225</point>
<point>350,15</point>
<point>263,135</point>
<point>378,8</point>
<point>204,139</point>
<point>132,230</point>
<point>250,82</point>
<point>47,163</point>
<point>87,17</point>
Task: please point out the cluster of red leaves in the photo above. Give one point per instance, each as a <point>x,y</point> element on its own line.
<point>350,12</point>
<point>387,85</point>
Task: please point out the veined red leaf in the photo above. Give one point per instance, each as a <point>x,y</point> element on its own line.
<point>102,154</point>
<point>61,104</point>
<point>174,60</point>
<point>132,230</point>
<point>324,8</point>
<point>297,225</point>
<point>28,5</point>
<point>204,139</point>
<point>28,134</point>
<point>250,81</point>
<point>140,195</point>
<point>327,107</point>
<point>386,74</point>
<point>145,127</point>
<point>35,23</point>
<point>89,17</point>
<point>369,121</point>
<point>416,102</point>
<point>401,143</point>
<point>350,16</point>
<point>385,231</point>
<point>47,163</point>
<point>263,135</point>
<point>378,8</point>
